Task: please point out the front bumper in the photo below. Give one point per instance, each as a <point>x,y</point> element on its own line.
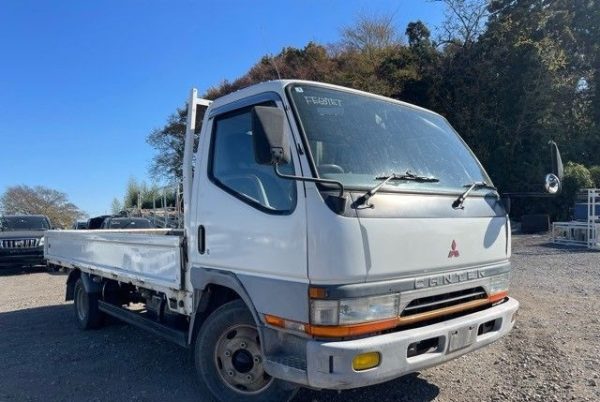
<point>328,365</point>
<point>26,256</point>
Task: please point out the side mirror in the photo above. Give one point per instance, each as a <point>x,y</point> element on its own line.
<point>271,145</point>
<point>552,182</point>
<point>557,164</point>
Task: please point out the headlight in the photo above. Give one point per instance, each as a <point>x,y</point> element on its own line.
<point>499,283</point>
<point>41,242</point>
<point>353,311</point>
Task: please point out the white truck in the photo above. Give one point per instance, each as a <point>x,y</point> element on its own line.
<point>333,239</point>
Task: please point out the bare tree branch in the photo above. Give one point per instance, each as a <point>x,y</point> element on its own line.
<point>40,200</point>
<point>464,21</point>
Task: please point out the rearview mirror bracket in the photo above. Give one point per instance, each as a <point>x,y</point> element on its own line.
<point>336,203</point>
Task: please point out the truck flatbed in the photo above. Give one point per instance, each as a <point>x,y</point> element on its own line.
<point>151,258</point>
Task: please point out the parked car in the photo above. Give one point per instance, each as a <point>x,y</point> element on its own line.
<point>96,222</point>
<point>127,223</point>
<point>80,225</point>
<point>22,239</point>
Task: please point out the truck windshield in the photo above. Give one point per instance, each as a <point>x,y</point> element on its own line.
<point>356,138</point>
<point>14,223</point>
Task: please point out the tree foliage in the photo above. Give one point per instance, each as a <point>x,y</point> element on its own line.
<point>40,200</point>
<point>509,75</point>
<point>116,206</point>
<point>141,195</point>
<point>579,174</point>
<point>595,173</point>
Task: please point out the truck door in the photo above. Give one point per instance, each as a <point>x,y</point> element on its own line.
<point>252,221</point>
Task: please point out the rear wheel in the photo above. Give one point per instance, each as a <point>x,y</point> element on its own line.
<point>85,304</point>
<point>229,360</point>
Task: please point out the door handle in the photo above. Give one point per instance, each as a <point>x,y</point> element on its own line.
<point>201,239</point>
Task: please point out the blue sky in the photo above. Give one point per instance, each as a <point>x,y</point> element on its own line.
<point>83,83</point>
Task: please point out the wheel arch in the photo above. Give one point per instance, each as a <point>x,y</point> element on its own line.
<point>212,289</point>
<point>89,285</point>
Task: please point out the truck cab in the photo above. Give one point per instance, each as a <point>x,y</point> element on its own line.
<point>401,273</point>
<point>333,239</point>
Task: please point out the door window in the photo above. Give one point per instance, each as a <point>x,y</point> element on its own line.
<point>234,169</point>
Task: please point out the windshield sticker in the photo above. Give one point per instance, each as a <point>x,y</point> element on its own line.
<point>328,111</point>
<point>322,101</point>
<point>299,89</point>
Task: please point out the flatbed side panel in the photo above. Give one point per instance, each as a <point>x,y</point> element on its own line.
<point>141,256</point>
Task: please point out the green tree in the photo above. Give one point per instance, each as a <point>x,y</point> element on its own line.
<point>116,207</point>
<point>169,142</point>
<point>141,195</point>
<point>579,175</point>
<point>595,173</point>
<point>510,75</point>
<point>418,34</point>
<point>511,91</point>
<point>131,193</point>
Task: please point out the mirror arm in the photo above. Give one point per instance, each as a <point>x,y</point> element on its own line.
<point>311,179</point>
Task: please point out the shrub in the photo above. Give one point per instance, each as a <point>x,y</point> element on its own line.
<point>595,173</point>
<point>578,175</point>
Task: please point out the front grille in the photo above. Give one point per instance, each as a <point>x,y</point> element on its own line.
<point>430,303</point>
<point>19,243</point>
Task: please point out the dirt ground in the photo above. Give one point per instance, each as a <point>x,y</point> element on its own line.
<point>553,354</point>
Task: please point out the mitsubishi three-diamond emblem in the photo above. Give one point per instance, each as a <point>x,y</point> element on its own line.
<point>453,250</point>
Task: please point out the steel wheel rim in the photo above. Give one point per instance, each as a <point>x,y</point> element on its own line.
<point>82,304</point>
<point>239,362</point>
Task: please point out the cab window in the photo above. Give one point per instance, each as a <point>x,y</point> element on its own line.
<point>234,169</point>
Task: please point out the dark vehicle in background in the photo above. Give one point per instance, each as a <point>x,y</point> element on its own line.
<point>22,239</point>
<point>96,222</point>
<point>80,225</point>
<point>127,223</point>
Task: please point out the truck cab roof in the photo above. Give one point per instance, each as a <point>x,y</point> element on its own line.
<point>279,86</point>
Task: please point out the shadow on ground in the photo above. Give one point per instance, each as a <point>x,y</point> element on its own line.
<point>46,357</point>
<point>26,270</point>
<point>408,388</point>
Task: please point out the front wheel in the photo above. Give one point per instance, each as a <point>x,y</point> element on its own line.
<point>229,360</point>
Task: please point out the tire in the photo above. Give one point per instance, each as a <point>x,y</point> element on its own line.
<point>85,306</point>
<point>228,358</point>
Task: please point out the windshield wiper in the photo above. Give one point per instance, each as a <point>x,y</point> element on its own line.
<point>363,199</point>
<point>458,203</point>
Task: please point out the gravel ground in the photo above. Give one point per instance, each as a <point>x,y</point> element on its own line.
<point>553,354</point>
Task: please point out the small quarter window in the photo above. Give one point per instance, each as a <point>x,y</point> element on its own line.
<point>234,169</point>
